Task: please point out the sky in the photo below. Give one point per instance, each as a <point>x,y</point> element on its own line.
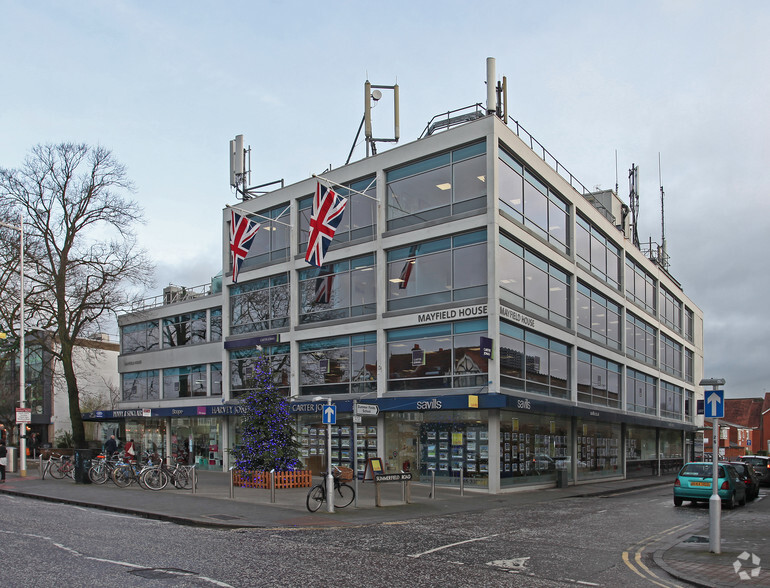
<point>166,85</point>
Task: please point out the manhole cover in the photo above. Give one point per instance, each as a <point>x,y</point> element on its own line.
<point>696,539</point>
<point>222,517</point>
<point>160,573</point>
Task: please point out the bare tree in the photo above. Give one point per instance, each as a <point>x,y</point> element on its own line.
<point>82,263</point>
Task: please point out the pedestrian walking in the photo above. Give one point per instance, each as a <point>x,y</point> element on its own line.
<point>130,450</point>
<point>111,446</point>
<point>3,460</point>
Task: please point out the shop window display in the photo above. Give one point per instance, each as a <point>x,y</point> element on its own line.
<point>598,450</point>
<point>312,436</point>
<point>533,448</point>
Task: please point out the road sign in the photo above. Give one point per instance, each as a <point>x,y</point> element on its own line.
<point>403,477</point>
<point>330,415</point>
<point>23,415</point>
<point>715,404</point>
<point>367,409</point>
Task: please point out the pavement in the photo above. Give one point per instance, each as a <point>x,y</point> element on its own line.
<point>684,554</point>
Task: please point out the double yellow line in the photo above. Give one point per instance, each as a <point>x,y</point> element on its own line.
<point>633,557</point>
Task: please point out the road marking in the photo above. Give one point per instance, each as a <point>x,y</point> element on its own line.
<point>637,565</point>
<point>416,555</point>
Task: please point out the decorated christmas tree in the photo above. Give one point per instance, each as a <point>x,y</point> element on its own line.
<point>268,436</point>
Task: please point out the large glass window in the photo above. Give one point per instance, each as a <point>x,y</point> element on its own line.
<point>598,380</point>
<point>259,305</point>
<point>533,447</point>
<point>641,340</point>
<point>271,243</point>
<point>184,382</point>
<point>446,355</point>
<point>689,366</point>
<point>529,201</point>
<point>641,392</point>
<point>640,286</point>
<point>689,325</point>
<point>443,270</point>
<point>533,363</point>
<point>598,317</point>
<point>437,187</point>
<point>338,290</point>
<point>597,253</point>
<point>141,386</point>
<point>671,310</point>
<point>671,400</point>
<point>670,356</point>
<point>359,220</point>
<point>243,361</point>
<point>641,452</point>
<point>184,329</point>
<point>598,449</point>
<point>216,324</point>
<point>216,379</point>
<point>140,337</point>
<point>338,365</point>
<point>532,283</point>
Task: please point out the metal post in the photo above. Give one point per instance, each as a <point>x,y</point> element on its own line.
<point>272,486</point>
<point>462,483</point>
<point>433,484</point>
<point>354,449</point>
<point>715,504</point>
<point>194,480</point>
<point>329,477</point>
<point>403,489</point>
<point>232,485</point>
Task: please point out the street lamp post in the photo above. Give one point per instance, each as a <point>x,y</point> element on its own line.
<point>715,504</point>
<point>22,382</point>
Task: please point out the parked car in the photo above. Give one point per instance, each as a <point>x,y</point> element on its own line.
<point>749,477</point>
<point>694,482</point>
<point>761,464</point>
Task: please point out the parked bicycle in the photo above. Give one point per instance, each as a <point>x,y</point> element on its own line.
<point>128,472</point>
<point>344,494</point>
<point>101,468</point>
<point>59,466</point>
<point>158,476</point>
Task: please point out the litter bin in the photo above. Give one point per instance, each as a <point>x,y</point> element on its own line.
<point>562,478</point>
<point>13,453</point>
<point>82,465</point>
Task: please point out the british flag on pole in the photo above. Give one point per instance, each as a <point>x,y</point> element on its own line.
<point>242,232</point>
<point>328,207</point>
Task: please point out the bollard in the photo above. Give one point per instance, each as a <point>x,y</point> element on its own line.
<point>403,491</point>
<point>232,485</point>
<point>433,484</point>
<point>272,486</point>
<point>194,480</point>
<point>462,483</point>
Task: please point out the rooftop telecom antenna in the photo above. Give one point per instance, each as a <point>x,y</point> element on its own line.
<point>662,254</point>
<point>240,171</point>
<point>633,191</point>
<point>372,95</point>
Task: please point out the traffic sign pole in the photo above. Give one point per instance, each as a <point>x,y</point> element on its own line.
<point>714,409</point>
<point>328,413</point>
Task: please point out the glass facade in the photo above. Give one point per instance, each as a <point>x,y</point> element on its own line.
<point>599,380</point>
<point>443,355</point>
<point>184,329</point>
<point>640,287</point>
<point>338,365</point>
<point>271,243</point>
<point>442,270</point>
<point>597,253</point>
<point>530,201</point>
<point>531,283</point>
<point>641,392</point>
<point>140,337</point>
<point>259,305</point>
<point>598,450</point>
<point>339,290</point>
<point>242,362</point>
<point>598,317</point>
<point>437,187</point>
<point>641,340</point>
<point>533,447</point>
<point>533,363</point>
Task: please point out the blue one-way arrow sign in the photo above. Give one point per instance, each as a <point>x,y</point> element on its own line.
<point>715,404</point>
<point>330,415</point>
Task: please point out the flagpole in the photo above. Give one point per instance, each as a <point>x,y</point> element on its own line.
<point>348,187</point>
<point>273,220</point>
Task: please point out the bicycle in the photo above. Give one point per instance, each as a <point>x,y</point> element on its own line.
<point>101,469</point>
<point>126,473</point>
<point>344,494</point>
<point>60,466</point>
<point>158,476</point>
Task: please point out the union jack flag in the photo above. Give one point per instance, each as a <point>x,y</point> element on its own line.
<point>323,286</point>
<point>406,271</point>
<point>242,232</point>
<point>328,207</point>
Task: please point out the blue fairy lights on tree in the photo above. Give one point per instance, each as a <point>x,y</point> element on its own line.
<point>268,440</point>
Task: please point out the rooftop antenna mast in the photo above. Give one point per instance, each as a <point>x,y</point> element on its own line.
<point>662,254</point>
<point>372,95</point>
<point>633,189</point>
<point>240,171</point>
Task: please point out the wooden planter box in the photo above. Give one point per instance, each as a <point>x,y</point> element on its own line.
<point>292,479</point>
